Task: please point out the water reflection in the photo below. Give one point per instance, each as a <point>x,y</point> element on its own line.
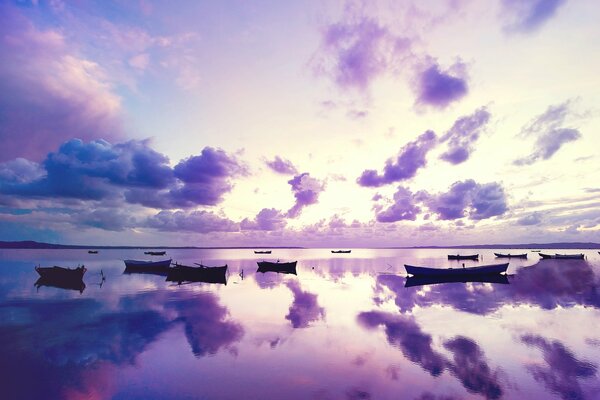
<point>305,308</point>
<point>69,284</point>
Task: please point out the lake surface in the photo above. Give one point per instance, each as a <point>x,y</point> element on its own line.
<point>344,327</point>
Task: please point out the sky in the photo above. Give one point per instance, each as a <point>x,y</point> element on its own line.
<point>309,123</point>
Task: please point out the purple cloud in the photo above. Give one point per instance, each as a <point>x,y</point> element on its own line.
<point>199,221</point>
<point>410,158</point>
<point>549,132</point>
<point>437,88</point>
<point>109,219</point>
<point>48,93</point>
<point>535,218</point>
<point>402,209</point>
<point>528,15</point>
<point>463,134</point>
<point>305,308</point>
<point>282,166</point>
<point>467,198</point>
<point>306,190</point>
<point>268,219</point>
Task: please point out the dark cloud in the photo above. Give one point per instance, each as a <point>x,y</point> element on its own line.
<point>467,199</point>
<point>306,190</point>
<point>463,134</point>
<point>528,15</point>
<point>403,208</point>
<point>410,158</point>
<point>48,93</point>
<point>305,308</point>
<point>439,88</point>
<point>549,133</point>
<point>198,221</point>
<point>268,219</point>
<point>109,219</point>
<point>563,371</point>
<point>282,166</point>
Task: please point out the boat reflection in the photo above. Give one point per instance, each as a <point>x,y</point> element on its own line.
<point>201,273</point>
<point>61,283</point>
<point>434,280</point>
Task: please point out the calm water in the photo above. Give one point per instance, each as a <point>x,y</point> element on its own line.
<point>344,327</point>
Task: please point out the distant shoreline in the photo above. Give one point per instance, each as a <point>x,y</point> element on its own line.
<point>534,246</point>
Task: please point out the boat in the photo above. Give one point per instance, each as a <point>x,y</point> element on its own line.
<point>477,278</point>
<point>61,283</point>
<point>341,251</point>
<point>61,273</point>
<point>262,251</point>
<point>500,255</point>
<point>155,253</point>
<point>468,271</point>
<point>139,266</point>
<point>535,251</point>
<point>202,273</point>
<point>562,256</point>
<point>459,257</point>
<point>281,267</point>
<point>93,251</point>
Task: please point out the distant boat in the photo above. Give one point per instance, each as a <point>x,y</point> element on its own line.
<point>470,271</point>
<point>60,273</point>
<point>500,255</point>
<point>341,251</point>
<point>423,280</point>
<point>93,251</point>
<point>562,256</point>
<point>155,253</point>
<point>62,283</point>
<point>143,266</point>
<point>459,257</point>
<point>535,251</point>
<point>262,251</point>
<point>201,273</point>
<point>281,267</point>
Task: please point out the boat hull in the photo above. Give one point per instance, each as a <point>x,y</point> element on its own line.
<point>499,255</point>
<point>341,251</point>
<point>184,273</point>
<point>262,252</point>
<point>284,268</point>
<point>562,256</point>
<point>146,266</point>
<point>474,257</point>
<point>60,273</point>
<point>155,253</point>
<point>439,272</point>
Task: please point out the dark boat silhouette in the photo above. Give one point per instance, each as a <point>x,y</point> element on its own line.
<point>460,257</point>
<point>61,273</point>
<point>281,267</point>
<point>341,251</point>
<point>562,256</point>
<point>183,273</point>
<point>155,253</point>
<point>93,251</point>
<point>500,255</point>
<point>469,271</point>
<point>146,266</point>
<point>262,251</point>
<point>62,283</point>
<point>433,280</point>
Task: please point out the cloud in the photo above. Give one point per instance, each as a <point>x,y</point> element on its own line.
<point>402,209</point>
<point>49,92</point>
<point>282,166</point>
<point>467,198</point>
<point>525,16</point>
<point>306,190</point>
<point>463,134</point>
<point>20,170</point>
<point>267,219</point>
<point>198,221</point>
<point>535,218</point>
<point>305,308</point>
<point>109,219</point>
<point>410,158</point>
<point>550,134</point>
<point>439,88</point>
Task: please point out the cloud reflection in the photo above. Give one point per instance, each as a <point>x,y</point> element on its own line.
<point>305,308</point>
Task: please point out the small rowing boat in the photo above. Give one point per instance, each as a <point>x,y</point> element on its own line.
<point>500,255</point>
<point>281,267</point>
<point>155,253</point>
<point>60,273</point>
<point>262,251</point>
<point>562,256</point>
<point>464,271</point>
<point>341,251</point>
<point>183,273</point>
<point>459,257</point>
<point>139,266</point>
<point>93,251</point>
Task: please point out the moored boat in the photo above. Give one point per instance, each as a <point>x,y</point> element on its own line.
<point>562,256</point>
<point>202,273</point>
<point>262,251</point>
<point>61,273</point>
<point>341,251</point>
<point>500,255</point>
<point>155,253</point>
<point>281,267</point>
<point>137,265</point>
<point>461,257</point>
<point>93,251</point>
<point>476,278</point>
<point>464,271</point>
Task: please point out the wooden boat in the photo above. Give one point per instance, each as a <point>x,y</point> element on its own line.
<point>262,251</point>
<point>500,255</point>
<point>433,280</point>
<point>469,271</point>
<point>562,256</point>
<point>535,251</point>
<point>183,273</point>
<point>155,253</point>
<point>60,273</point>
<point>281,267</point>
<point>341,251</point>
<point>61,283</point>
<point>93,251</point>
<point>459,257</point>
<point>137,266</point>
